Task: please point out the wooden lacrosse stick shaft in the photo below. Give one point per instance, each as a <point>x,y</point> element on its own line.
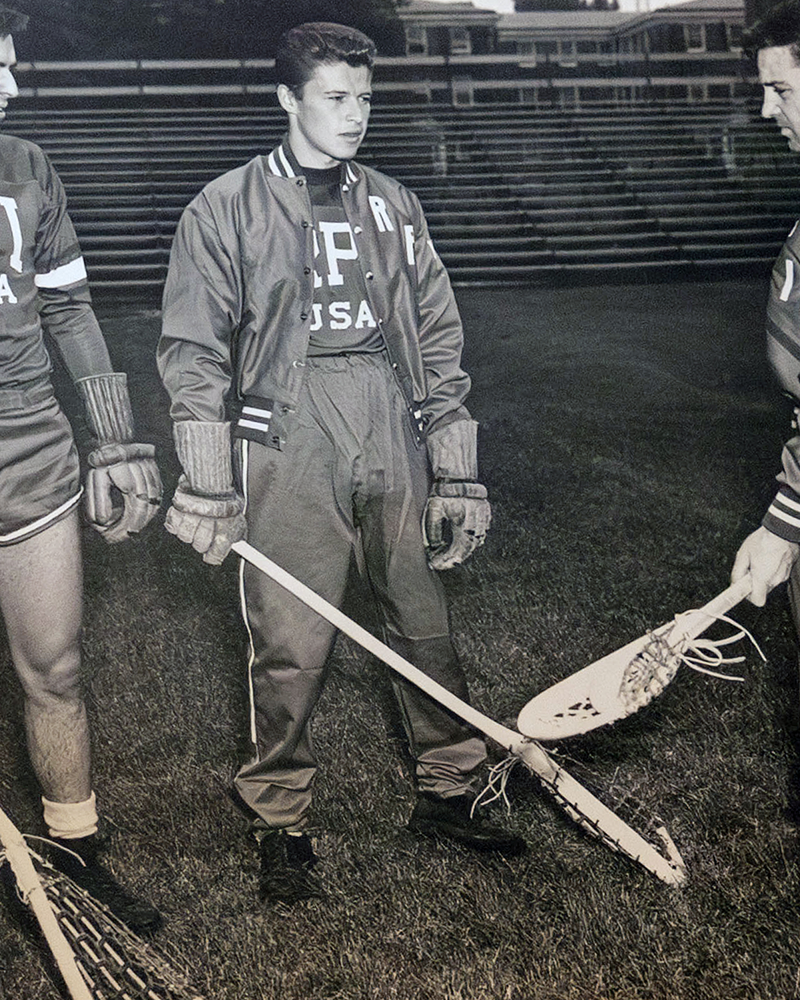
<point>32,893</point>
<point>500,734</point>
<point>579,803</point>
<point>692,623</point>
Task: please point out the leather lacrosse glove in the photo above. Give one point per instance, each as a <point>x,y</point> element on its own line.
<point>206,510</point>
<point>457,514</point>
<point>123,484</point>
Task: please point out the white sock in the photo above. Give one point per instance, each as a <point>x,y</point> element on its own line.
<point>70,820</point>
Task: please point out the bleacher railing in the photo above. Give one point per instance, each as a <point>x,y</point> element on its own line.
<point>457,80</point>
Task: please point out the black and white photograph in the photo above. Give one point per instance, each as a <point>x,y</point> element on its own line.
<point>399,499</point>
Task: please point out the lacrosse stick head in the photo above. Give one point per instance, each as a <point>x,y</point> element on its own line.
<point>98,956</point>
<point>629,678</point>
<point>609,689</point>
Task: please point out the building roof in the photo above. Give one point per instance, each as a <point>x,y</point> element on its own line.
<point>595,20</point>
<point>707,5</point>
<point>436,7</point>
<point>564,19</point>
<point>446,13</point>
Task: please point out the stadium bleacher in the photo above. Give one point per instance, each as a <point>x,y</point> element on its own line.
<point>512,195</point>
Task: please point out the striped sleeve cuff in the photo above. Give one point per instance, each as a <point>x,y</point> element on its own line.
<point>783,516</point>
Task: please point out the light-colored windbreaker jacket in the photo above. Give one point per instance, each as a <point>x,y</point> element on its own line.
<point>240,290</point>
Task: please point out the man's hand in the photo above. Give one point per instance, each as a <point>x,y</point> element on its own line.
<point>768,559</point>
<point>457,514</point>
<point>207,512</point>
<point>123,485</point>
<point>210,524</point>
<point>462,509</point>
<point>126,473</point>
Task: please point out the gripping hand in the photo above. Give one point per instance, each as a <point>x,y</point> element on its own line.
<point>768,559</point>
<point>206,510</point>
<point>123,485</point>
<point>210,524</point>
<point>457,517</point>
<point>126,473</point>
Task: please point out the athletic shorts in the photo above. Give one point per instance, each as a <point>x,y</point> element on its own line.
<point>39,468</point>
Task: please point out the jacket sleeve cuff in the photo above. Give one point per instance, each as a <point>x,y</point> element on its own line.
<point>783,516</point>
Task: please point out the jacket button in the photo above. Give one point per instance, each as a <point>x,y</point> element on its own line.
<point>305,224</point>
<point>304,316</point>
<point>358,230</point>
<point>306,270</point>
<point>369,275</point>
<point>300,182</point>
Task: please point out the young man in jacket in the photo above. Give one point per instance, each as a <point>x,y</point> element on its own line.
<point>770,553</point>
<point>305,293</point>
<point>43,290</point>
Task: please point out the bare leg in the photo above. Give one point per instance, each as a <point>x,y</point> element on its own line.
<point>41,585</point>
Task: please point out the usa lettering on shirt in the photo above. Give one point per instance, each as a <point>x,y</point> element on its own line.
<point>342,319</point>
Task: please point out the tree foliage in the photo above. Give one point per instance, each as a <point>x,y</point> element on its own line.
<point>224,29</point>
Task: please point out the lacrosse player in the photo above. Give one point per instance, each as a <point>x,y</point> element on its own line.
<point>770,553</point>
<point>304,289</point>
<point>43,290</point>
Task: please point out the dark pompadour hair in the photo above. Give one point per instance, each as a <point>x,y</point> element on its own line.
<point>779,26</point>
<point>303,48</point>
<point>11,21</point>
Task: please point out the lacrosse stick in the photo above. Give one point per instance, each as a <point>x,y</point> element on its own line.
<point>579,804</point>
<point>626,680</point>
<point>98,957</point>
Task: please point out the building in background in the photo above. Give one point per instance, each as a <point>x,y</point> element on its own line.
<point>463,54</point>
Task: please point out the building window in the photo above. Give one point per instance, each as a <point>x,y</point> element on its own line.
<point>568,97</point>
<point>416,40</point>
<point>526,49</point>
<point>463,93</point>
<point>567,55</point>
<point>544,50</point>
<point>460,42</point>
<point>734,37</point>
<point>596,95</point>
<point>695,36</point>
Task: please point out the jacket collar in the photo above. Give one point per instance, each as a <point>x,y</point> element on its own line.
<point>282,163</point>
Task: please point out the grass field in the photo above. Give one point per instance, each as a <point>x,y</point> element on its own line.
<point>629,436</point>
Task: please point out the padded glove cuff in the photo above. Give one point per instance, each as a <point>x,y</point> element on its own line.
<point>453,451</point>
<point>108,407</point>
<point>473,491</point>
<point>110,454</point>
<point>220,505</point>
<point>204,451</point>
